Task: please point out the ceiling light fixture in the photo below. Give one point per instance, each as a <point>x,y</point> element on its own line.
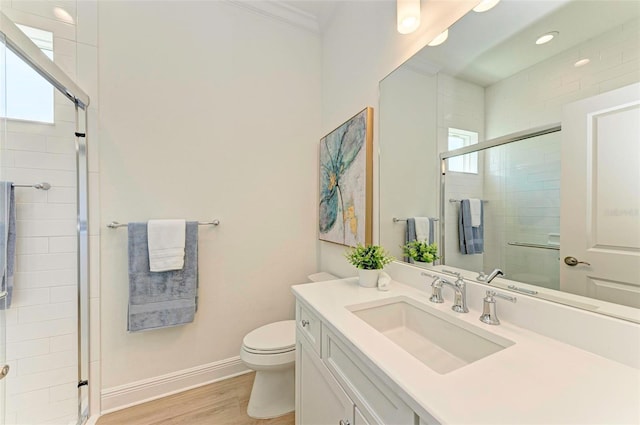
<point>582,62</point>
<point>485,5</point>
<point>63,15</point>
<point>545,38</point>
<point>440,38</point>
<point>408,16</point>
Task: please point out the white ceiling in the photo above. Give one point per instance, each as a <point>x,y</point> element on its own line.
<point>487,47</point>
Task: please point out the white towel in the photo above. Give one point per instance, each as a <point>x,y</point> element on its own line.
<point>422,228</point>
<point>475,207</point>
<point>166,240</point>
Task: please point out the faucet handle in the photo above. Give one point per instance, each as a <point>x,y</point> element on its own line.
<point>503,296</point>
<point>489,315</point>
<point>436,291</point>
<point>482,277</point>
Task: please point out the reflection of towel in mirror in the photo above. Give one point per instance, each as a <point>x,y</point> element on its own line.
<point>7,240</point>
<point>471,238</point>
<point>411,231</point>
<point>475,207</point>
<point>423,231</point>
<point>160,300</point>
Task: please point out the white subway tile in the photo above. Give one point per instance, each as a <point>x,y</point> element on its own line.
<point>32,245</point>
<point>62,145</point>
<point>42,262</point>
<point>67,342</point>
<point>46,211</point>
<point>41,313</point>
<point>27,400</point>
<point>30,228</point>
<point>26,142</point>
<point>63,244</point>
<point>39,364</point>
<point>63,294</point>
<point>45,279</point>
<point>31,331</point>
<point>56,178</point>
<point>27,297</point>
<point>63,195</point>
<point>63,392</point>
<point>47,161</point>
<point>24,349</point>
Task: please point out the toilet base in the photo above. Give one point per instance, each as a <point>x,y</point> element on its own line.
<point>273,394</point>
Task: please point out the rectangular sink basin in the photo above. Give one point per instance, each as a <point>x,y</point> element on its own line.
<point>440,342</point>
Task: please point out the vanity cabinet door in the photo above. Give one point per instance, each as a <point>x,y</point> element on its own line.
<point>359,419</point>
<point>320,400</point>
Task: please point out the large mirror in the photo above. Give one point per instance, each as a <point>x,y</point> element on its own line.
<point>515,127</point>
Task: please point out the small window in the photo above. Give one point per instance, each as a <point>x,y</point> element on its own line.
<point>28,95</point>
<point>464,163</point>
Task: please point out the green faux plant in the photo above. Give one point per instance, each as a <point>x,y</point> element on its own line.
<point>370,257</point>
<point>421,251</point>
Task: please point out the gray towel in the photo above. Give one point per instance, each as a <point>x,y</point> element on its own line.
<point>471,238</point>
<point>7,240</point>
<point>410,233</point>
<point>161,299</point>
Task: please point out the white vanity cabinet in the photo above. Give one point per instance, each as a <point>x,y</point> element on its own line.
<point>333,387</point>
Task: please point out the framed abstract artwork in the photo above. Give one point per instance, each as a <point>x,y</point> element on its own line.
<point>346,182</point>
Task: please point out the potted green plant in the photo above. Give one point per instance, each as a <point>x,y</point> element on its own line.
<point>421,252</point>
<point>369,260</point>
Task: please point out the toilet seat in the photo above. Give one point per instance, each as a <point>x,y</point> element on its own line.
<point>274,338</point>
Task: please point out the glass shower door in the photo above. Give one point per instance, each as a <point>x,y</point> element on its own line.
<point>4,368</point>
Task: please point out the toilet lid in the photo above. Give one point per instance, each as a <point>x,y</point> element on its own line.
<point>275,336</point>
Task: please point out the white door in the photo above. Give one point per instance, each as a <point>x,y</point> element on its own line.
<point>600,207</point>
<point>321,400</point>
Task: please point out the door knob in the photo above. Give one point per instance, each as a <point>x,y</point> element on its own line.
<point>573,261</point>
<point>4,371</point>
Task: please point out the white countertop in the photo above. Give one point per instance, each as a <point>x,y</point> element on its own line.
<point>538,380</point>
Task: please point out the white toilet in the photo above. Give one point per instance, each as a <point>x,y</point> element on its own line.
<point>270,350</point>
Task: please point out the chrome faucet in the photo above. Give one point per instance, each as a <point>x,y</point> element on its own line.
<point>488,278</point>
<point>460,289</point>
<point>489,315</point>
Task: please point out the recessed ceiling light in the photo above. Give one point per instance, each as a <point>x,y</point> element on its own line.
<point>485,5</point>
<point>545,38</point>
<point>63,15</point>
<point>440,38</point>
<point>582,62</point>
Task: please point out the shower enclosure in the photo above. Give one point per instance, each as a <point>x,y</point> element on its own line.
<point>517,178</point>
<point>44,322</point>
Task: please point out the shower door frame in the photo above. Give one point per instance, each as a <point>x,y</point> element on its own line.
<point>24,48</point>
<point>498,141</point>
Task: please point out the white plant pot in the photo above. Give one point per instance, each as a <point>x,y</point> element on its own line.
<point>368,278</point>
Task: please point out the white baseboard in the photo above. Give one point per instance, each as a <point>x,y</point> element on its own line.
<point>127,395</point>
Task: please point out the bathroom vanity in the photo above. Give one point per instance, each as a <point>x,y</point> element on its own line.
<point>370,357</point>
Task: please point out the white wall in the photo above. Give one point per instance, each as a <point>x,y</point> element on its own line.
<point>361,47</point>
<point>461,106</point>
<point>207,111</point>
<point>42,320</point>
<point>407,154</point>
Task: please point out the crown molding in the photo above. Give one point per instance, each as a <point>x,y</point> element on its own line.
<point>280,11</point>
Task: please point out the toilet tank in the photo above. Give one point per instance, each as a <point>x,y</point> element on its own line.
<point>321,276</point>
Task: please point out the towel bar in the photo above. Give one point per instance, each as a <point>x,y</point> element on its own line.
<point>115,224</point>
<point>395,220</point>
<point>42,186</point>
<point>459,200</point>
